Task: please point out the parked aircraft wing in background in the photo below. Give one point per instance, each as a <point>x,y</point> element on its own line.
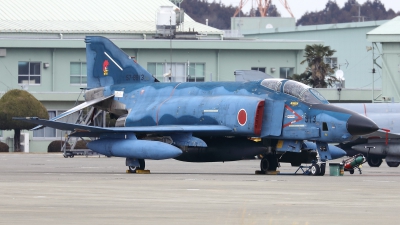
<point>381,144</point>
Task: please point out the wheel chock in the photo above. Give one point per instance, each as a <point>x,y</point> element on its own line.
<point>143,171</point>
<point>139,171</point>
<point>269,172</point>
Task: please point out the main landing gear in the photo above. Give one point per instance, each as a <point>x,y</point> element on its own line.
<point>269,162</point>
<point>134,168</point>
<point>374,161</point>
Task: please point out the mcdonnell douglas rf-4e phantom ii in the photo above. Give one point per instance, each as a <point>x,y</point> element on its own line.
<point>208,121</point>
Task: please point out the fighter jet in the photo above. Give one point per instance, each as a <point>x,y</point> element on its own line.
<point>207,121</point>
<point>381,144</point>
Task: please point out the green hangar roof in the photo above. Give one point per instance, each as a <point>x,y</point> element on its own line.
<point>387,32</point>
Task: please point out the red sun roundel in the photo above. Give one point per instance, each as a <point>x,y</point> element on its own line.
<point>242,117</point>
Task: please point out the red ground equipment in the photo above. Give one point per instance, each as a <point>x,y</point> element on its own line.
<point>354,162</point>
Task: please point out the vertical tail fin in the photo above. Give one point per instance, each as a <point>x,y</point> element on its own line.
<point>107,64</point>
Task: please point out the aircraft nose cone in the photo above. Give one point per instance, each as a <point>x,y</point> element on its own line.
<point>360,125</point>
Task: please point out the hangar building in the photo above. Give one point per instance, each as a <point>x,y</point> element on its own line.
<point>42,50</point>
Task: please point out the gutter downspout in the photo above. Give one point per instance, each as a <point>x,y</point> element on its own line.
<point>217,66</point>
<point>52,68</point>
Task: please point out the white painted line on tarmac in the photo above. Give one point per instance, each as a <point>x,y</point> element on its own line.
<point>383,181</point>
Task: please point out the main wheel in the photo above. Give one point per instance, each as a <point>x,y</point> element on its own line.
<point>322,169</point>
<point>374,161</point>
<point>264,164</point>
<point>393,164</point>
<point>132,169</point>
<point>351,171</point>
<point>273,162</point>
<point>141,166</point>
<point>315,170</point>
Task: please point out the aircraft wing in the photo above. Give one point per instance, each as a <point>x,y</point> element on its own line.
<point>93,131</point>
<point>75,109</point>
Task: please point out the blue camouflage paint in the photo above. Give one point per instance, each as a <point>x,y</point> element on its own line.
<point>273,109</point>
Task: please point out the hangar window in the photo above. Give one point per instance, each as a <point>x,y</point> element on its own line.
<point>47,131</point>
<point>261,69</point>
<point>286,72</point>
<point>180,72</point>
<point>195,72</point>
<point>29,73</point>
<point>157,69</point>
<point>332,61</point>
<point>78,73</point>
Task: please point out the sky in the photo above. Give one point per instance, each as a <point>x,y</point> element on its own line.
<point>299,7</point>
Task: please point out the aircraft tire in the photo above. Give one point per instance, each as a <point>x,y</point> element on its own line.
<point>273,162</point>
<point>264,164</point>
<point>132,169</point>
<point>351,171</point>
<point>322,169</point>
<point>393,164</point>
<point>374,161</point>
<point>315,170</point>
<point>141,166</point>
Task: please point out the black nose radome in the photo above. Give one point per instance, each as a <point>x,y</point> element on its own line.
<point>360,125</point>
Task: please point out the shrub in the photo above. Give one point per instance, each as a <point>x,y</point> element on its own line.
<point>55,146</point>
<point>81,144</point>
<point>4,147</point>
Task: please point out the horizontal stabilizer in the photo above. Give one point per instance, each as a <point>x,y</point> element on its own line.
<point>93,131</point>
<point>76,108</point>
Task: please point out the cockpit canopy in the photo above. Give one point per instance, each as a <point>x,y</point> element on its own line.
<point>296,89</point>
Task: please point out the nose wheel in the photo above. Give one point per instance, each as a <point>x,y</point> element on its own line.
<point>317,169</point>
